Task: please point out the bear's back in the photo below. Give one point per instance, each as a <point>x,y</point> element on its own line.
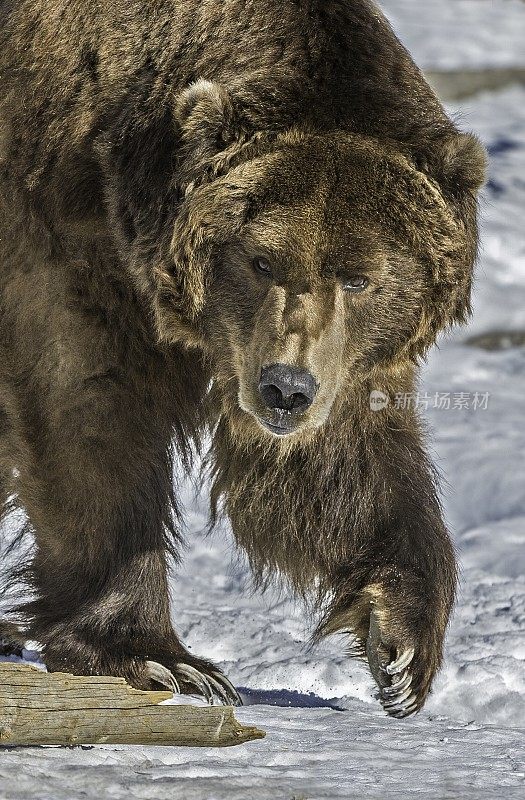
<point>326,63</point>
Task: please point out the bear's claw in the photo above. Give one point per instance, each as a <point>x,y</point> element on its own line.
<point>402,662</point>
<point>399,700</point>
<point>214,685</point>
<point>225,688</point>
<point>405,709</point>
<point>397,693</point>
<point>403,683</point>
<point>195,678</point>
<point>161,675</point>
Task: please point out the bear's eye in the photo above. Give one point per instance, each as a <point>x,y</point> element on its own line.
<point>262,266</point>
<point>358,283</point>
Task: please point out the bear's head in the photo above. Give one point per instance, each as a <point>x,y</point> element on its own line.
<point>300,261</point>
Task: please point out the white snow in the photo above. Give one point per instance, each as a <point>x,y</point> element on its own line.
<point>469,741</point>
<point>460,34</point>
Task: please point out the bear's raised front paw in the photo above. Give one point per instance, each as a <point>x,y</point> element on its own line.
<point>402,668</point>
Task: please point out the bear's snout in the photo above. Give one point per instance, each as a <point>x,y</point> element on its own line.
<point>287,391</point>
<point>287,388</point>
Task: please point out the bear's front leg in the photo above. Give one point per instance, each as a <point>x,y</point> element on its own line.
<point>397,599</point>
<point>352,518</point>
<point>97,484</point>
<point>405,638</point>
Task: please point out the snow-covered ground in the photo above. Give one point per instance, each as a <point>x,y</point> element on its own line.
<point>469,741</point>
<point>460,34</point>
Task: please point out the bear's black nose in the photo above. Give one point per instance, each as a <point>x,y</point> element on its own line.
<point>287,388</point>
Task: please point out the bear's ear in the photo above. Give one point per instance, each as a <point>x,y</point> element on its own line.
<point>209,217</point>
<point>456,165</point>
<point>435,214</point>
<point>463,163</point>
<point>158,162</point>
<point>213,130</point>
<point>457,162</point>
<point>206,115</point>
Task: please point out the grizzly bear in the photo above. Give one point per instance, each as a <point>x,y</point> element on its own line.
<point>228,221</point>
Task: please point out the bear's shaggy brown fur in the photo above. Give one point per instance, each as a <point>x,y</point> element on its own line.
<point>236,217</point>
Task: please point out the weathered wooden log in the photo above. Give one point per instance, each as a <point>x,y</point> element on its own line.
<point>40,708</point>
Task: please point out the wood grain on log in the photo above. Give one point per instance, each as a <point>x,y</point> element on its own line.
<point>40,708</point>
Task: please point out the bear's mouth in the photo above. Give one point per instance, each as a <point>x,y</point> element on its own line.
<point>277,430</point>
